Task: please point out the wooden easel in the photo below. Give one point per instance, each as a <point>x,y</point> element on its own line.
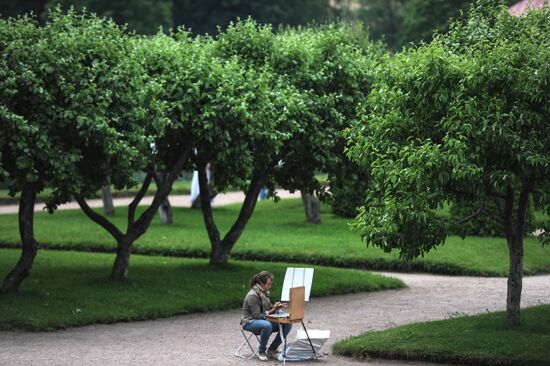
<point>296,315</point>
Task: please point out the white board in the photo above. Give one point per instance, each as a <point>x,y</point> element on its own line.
<point>296,277</point>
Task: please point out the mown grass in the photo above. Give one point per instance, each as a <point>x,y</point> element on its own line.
<point>472,340</point>
<point>73,288</point>
<point>179,187</point>
<point>278,232</point>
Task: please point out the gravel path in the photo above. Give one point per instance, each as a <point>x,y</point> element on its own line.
<point>210,339</point>
<point>175,200</point>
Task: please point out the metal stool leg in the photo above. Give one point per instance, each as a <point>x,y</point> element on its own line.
<point>247,342</point>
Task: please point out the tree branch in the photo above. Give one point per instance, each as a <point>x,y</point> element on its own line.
<point>247,209</point>
<point>98,219</point>
<point>164,189</point>
<point>206,208</point>
<point>137,199</point>
<point>474,214</point>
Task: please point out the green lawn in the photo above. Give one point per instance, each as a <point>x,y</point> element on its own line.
<point>179,187</point>
<point>474,340</point>
<point>278,232</point>
<point>72,288</point>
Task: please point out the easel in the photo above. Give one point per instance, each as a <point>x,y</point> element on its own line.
<point>296,315</point>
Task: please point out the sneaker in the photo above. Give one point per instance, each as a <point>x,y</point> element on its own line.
<point>274,354</point>
<point>262,356</point>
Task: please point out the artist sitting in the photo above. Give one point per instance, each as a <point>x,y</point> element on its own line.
<point>256,307</point>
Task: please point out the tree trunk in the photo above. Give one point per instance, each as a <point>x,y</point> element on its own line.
<point>514,237</point>
<point>165,212</point>
<point>515,281</point>
<point>29,245</point>
<point>122,261</point>
<point>222,247</point>
<point>312,207</point>
<point>219,255</point>
<point>107,197</point>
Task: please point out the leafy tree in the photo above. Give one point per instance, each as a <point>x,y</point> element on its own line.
<point>142,16</point>
<point>334,66</point>
<point>465,116</point>
<point>206,16</point>
<point>177,69</point>
<point>251,112</point>
<point>67,91</point>
<point>422,17</point>
<point>383,19</point>
<point>14,8</point>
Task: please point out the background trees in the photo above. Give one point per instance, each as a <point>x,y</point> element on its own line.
<point>463,117</point>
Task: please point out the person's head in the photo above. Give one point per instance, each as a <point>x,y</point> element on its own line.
<point>264,279</point>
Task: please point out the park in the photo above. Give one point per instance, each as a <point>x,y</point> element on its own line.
<point>150,173</point>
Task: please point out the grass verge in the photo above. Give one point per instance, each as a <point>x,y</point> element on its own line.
<point>179,187</point>
<point>277,232</point>
<point>473,340</point>
<point>68,289</point>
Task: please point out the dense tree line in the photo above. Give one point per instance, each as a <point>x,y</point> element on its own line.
<point>84,103</point>
<point>396,22</point>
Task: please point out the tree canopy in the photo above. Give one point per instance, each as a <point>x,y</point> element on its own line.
<point>463,116</point>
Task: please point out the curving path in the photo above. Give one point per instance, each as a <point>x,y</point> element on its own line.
<point>175,200</point>
<point>210,339</point>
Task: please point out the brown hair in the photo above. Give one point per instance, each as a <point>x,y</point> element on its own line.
<point>260,278</point>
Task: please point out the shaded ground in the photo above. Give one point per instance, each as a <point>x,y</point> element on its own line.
<point>210,339</point>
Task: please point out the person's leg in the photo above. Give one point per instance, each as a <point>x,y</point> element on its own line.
<point>277,341</point>
<point>263,328</point>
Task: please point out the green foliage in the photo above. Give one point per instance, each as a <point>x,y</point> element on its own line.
<point>348,184</point>
<point>383,19</point>
<point>421,18</point>
<point>463,116</point>
<point>488,222</point>
<point>73,105</point>
<point>142,16</point>
<point>471,340</point>
<point>207,15</point>
<point>333,66</point>
<point>71,289</point>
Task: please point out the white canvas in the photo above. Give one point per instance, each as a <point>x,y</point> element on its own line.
<point>296,277</point>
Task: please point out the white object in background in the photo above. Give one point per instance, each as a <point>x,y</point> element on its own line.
<point>296,277</point>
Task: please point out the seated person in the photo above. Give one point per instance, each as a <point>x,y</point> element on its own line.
<point>256,307</point>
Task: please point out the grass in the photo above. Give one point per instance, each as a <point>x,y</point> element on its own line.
<point>72,288</point>
<point>278,232</point>
<point>473,340</point>
<point>179,187</point>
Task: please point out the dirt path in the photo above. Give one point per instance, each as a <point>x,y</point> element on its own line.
<point>210,339</point>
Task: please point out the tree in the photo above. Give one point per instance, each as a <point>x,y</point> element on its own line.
<point>421,18</point>
<point>206,16</point>
<point>383,19</point>
<point>64,89</point>
<point>15,8</point>
<point>465,116</point>
<point>174,66</point>
<point>333,65</point>
<point>252,112</point>
<point>142,16</point>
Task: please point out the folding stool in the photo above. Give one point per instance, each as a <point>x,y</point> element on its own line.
<point>246,341</point>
